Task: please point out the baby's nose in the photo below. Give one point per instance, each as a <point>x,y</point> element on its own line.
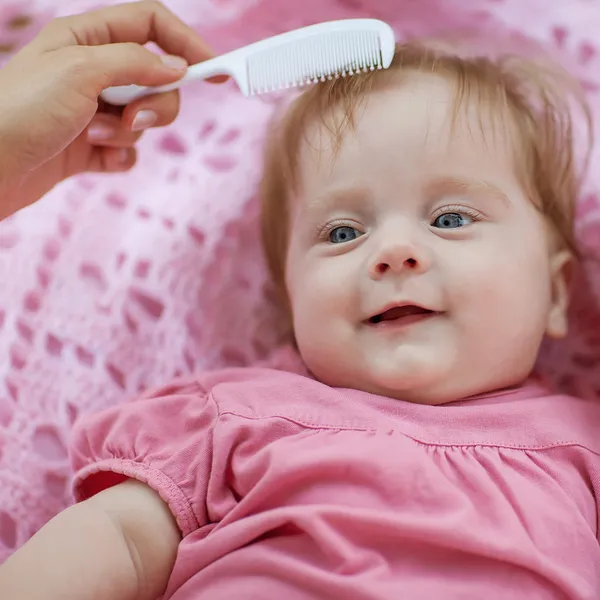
<point>409,263</point>
<point>397,258</point>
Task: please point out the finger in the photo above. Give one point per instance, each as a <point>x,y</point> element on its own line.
<point>112,160</point>
<point>99,67</point>
<point>105,107</point>
<point>152,111</point>
<point>139,22</point>
<point>109,130</point>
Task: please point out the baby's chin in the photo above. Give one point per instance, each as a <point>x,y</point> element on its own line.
<point>420,373</point>
<point>418,385</point>
<point>413,381</point>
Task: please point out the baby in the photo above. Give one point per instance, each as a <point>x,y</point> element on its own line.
<point>419,223</point>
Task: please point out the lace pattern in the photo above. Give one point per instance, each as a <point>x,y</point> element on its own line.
<point>112,284</point>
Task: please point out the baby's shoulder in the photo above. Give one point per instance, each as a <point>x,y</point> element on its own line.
<point>266,392</point>
<point>530,417</point>
<point>535,417</point>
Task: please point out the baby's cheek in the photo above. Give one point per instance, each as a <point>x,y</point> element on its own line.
<point>323,298</point>
<point>327,283</point>
<point>508,291</point>
<point>306,294</point>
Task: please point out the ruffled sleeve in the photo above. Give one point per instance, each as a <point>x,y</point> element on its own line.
<point>163,439</point>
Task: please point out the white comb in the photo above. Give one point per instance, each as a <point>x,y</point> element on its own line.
<point>308,55</point>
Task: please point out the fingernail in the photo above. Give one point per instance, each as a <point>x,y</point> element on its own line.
<point>174,62</point>
<point>143,119</point>
<point>99,131</point>
<point>122,156</point>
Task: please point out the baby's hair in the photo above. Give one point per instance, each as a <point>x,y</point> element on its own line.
<point>536,96</point>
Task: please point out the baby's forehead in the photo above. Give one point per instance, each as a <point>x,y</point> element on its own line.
<point>418,115</point>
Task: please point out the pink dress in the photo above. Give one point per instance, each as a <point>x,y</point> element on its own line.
<point>285,488</point>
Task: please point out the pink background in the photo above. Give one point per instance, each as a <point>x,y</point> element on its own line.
<point>112,284</point>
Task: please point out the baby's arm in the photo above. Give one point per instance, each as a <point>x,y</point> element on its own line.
<point>118,545</point>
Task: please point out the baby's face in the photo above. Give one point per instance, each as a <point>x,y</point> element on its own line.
<point>435,226</point>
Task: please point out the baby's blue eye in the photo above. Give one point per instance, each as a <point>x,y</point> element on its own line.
<point>339,235</point>
<point>452,221</point>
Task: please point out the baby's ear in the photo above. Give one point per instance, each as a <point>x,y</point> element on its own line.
<point>560,273</point>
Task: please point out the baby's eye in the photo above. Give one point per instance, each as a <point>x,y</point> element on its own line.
<point>339,235</point>
<point>452,220</point>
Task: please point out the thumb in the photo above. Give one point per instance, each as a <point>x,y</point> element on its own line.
<point>99,67</point>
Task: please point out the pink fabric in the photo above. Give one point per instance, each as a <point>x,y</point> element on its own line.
<point>114,284</point>
<point>286,488</point>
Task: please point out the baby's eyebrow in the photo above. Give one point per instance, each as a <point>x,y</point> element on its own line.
<point>466,185</point>
<point>347,197</point>
<point>356,197</point>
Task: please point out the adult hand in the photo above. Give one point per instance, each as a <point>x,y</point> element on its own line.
<point>52,124</point>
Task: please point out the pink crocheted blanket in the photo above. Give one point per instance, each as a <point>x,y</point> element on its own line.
<point>112,284</point>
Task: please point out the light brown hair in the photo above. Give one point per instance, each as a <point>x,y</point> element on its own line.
<point>537,97</point>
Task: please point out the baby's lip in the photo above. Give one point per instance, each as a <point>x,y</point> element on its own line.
<point>392,312</point>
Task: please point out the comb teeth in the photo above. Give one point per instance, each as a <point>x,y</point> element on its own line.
<point>316,58</point>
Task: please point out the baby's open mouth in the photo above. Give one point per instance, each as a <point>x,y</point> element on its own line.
<point>400,312</point>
